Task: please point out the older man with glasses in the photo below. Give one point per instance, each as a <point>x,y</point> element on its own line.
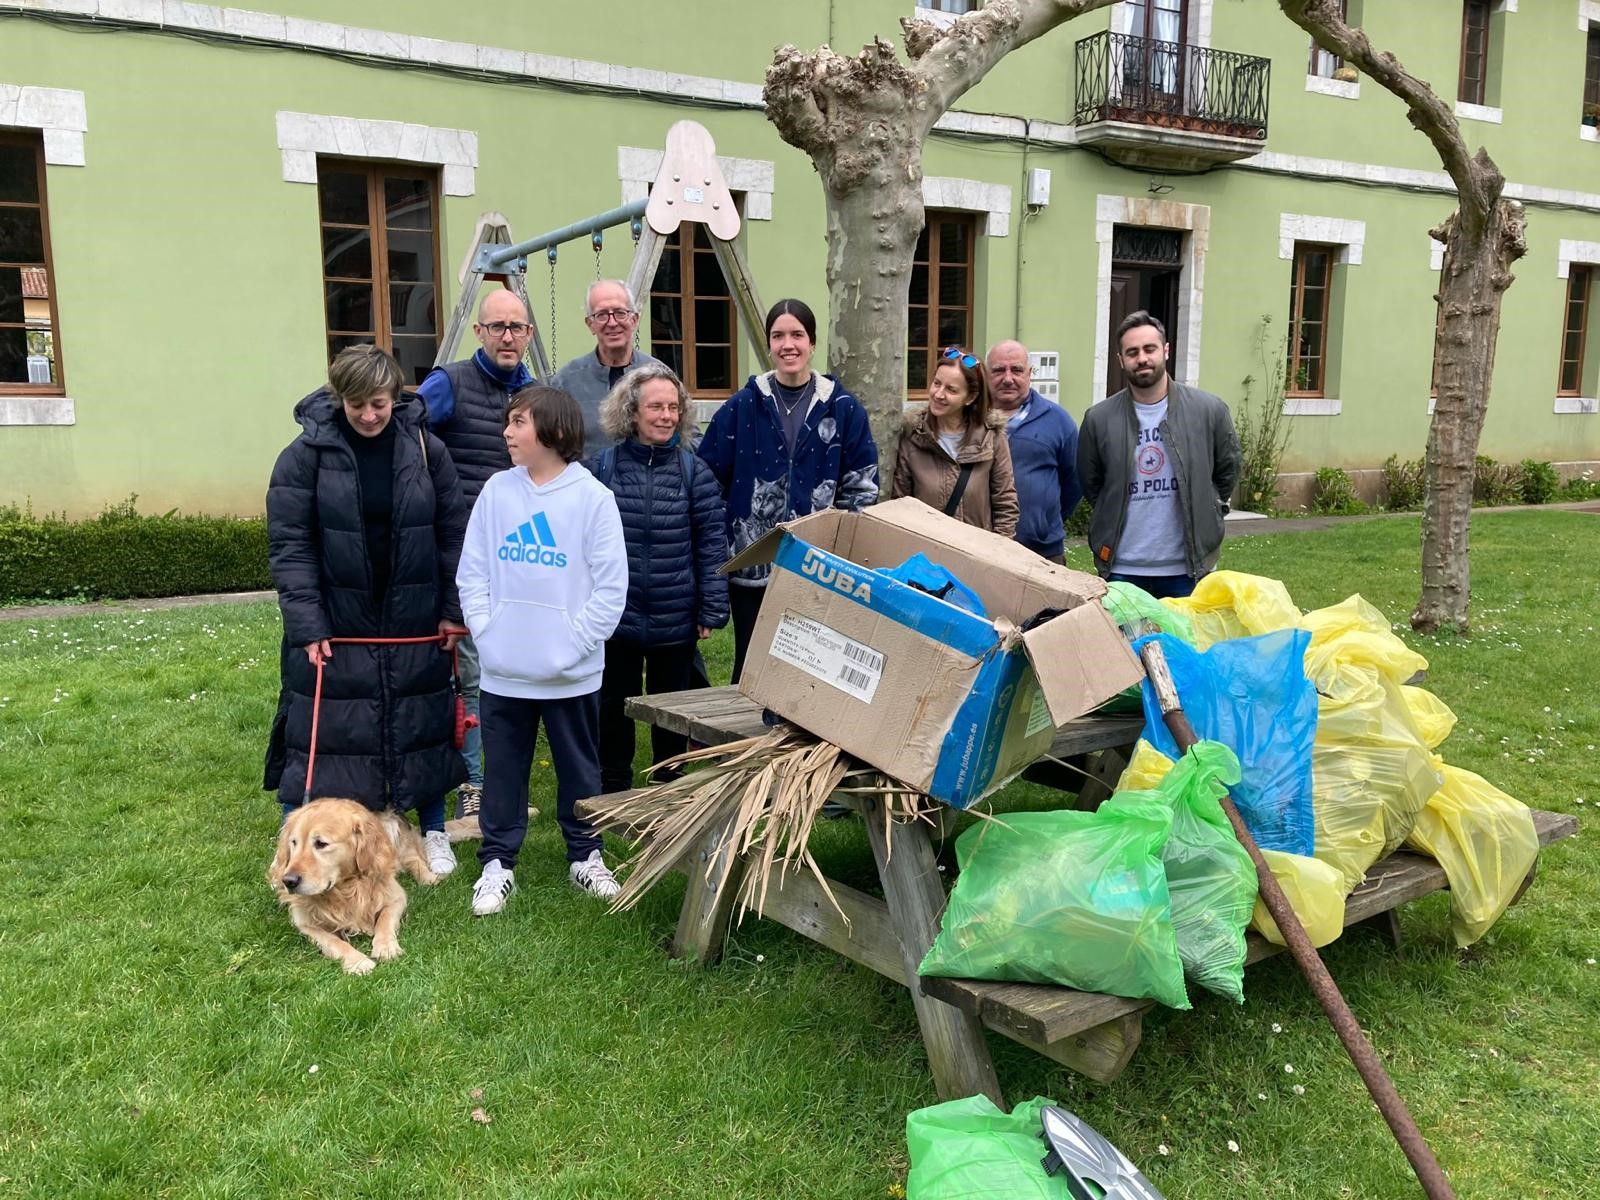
<point>612,315</point>
<point>466,407</point>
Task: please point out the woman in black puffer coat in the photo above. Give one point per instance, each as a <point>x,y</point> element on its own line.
<point>364,525</point>
<point>672,519</point>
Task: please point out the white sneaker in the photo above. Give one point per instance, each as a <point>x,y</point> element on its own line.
<point>436,849</point>
<point>593,876</point>
<point>489,894</point>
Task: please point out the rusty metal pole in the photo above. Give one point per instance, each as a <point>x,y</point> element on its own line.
<point>1435,1184</point>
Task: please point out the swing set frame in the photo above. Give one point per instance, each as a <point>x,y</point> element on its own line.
<point>689,188</point>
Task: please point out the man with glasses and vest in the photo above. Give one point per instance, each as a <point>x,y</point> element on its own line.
<point>611,315</point>
<point>467,410</point>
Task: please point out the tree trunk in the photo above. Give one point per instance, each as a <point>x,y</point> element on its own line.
<point>872,238</point>
<point>863,122</point>
<point>1482,238</point>
<point>1473,283</point>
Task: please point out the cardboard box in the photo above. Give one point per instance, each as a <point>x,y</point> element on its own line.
<point>940,699</point>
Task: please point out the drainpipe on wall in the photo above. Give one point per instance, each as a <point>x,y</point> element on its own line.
<point>1022,233</point>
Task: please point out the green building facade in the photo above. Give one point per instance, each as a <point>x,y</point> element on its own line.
<point>197,203</point>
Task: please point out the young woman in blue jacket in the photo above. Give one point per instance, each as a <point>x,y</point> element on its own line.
<point>790,442</point>
<point>676,534</point>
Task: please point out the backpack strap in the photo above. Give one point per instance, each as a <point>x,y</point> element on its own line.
<point>606,465</point>
<point>686,464</point>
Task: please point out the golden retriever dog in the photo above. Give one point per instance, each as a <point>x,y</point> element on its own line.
<point>336,869</point>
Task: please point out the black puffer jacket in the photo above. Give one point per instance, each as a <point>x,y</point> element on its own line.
<point>674,545</point>
<point>386,731</point>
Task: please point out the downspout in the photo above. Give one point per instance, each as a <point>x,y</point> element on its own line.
<point>1022,232</point>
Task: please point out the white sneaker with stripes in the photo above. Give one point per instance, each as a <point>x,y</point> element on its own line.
<point>593,876</point>
<point>493,888</point>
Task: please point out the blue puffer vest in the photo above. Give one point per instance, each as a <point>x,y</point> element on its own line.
<point>676,542</point>
<point>475,432</point>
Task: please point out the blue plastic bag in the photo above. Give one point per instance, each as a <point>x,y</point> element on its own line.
<point>1252,695</point>
<point>922,573</point>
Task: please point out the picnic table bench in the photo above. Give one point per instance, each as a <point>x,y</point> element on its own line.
<point>1092,1033</point>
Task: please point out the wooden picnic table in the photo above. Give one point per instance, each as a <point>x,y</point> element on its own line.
<point>1092,1033</point>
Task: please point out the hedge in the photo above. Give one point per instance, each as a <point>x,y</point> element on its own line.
<point>122,555</point>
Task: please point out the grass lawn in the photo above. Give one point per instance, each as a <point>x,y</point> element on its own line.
<point>164,1032</point>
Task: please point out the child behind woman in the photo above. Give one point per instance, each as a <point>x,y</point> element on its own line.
<point>543,579</point>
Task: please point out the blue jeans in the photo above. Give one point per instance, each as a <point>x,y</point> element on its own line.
<point>1162,587</point>
<point>472,746</point>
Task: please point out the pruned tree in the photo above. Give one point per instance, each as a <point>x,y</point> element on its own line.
<point>863,121</point>
<point>1482,238</point>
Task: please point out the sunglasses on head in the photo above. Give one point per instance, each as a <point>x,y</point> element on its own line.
<point>966,360</point>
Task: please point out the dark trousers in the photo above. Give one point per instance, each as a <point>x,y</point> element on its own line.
<point>1161,587</point>
<point>510,732</point>
<point>631,670</point>
<point>746,605</point>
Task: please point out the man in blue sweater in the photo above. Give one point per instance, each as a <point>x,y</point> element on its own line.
<point>1044,451</point>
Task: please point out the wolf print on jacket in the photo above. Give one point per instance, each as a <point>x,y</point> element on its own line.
<point>835,464</point>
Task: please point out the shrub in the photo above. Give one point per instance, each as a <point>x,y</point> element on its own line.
<point>1334,494</point>
<point>1078,522</point>
<point>1263,433</point>
<point>1405,483</point>
<point>1494,483</point>
<point>1537,482</point>
<point>122,555</point>
<point>1580,488</point>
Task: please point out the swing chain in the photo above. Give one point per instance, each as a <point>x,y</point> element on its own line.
<point>550,256</point>
<point>597,240</point>
<point>636,228</point>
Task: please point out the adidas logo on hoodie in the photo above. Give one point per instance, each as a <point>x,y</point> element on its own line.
<point>533,543</point>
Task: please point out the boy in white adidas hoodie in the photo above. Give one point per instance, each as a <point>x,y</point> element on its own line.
<point>543,580</point>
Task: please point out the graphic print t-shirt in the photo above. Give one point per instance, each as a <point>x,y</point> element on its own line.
<point>1152,536</point>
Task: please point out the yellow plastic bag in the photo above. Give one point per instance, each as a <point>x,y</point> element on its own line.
<point>1432,716</point>
<point>1146,769</point>
<point>1316,893</point>
<point>1371,774</point>
<point>1352,646</point>
<point>1486,843</point>
<point>1371,767</point>
<point>1231,604</point>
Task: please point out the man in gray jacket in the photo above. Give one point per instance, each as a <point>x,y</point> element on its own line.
<point>611,314</point>
<point>1158,461</point>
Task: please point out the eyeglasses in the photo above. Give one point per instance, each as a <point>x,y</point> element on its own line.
<point>514,328</point>
<point>966,360</point>
<point>607,315</point>
<point>670,409</point>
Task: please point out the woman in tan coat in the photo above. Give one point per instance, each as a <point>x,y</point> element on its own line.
<point>952,456</point>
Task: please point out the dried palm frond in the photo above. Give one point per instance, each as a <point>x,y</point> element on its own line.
<point>763,794</point>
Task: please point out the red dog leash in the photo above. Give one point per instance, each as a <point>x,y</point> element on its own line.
<point>464,720</point>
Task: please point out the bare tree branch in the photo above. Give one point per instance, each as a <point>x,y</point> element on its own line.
<point>1478,181</point>
<point>950,61</point>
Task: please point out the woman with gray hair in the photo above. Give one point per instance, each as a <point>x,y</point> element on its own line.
<point>676,533</point>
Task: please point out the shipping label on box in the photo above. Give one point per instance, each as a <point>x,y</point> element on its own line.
<point>850,666</point>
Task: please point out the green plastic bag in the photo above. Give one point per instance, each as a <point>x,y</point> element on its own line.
<point>1210,877</point>
<point>969,1149</point>
<point>1073,898</point>
<point>1137,612</point>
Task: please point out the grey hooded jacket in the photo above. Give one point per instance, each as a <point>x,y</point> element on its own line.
<point>1198,433</point>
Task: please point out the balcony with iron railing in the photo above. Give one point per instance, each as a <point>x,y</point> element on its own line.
<point>1166,105</point>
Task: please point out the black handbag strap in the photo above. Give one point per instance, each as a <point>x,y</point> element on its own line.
<point>958,491</point>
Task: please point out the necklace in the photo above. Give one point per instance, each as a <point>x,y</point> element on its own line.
<point>804,391</point>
